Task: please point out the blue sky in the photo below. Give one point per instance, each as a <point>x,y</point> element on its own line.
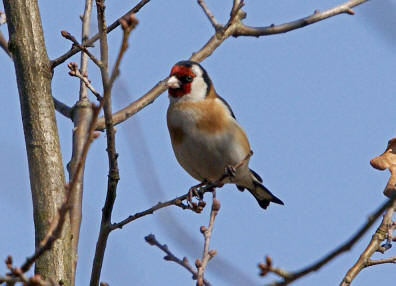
<point>316,103</point>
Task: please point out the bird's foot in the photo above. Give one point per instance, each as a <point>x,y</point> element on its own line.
<point>195,191</point>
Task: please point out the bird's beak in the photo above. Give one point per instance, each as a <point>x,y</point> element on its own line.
<point>173,82</point>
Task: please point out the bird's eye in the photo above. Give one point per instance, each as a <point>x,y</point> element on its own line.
<point>189,78</point>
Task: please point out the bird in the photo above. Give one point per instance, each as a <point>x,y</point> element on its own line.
<point>205,136</point>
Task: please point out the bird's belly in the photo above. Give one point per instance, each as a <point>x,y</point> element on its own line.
<point>206,157</point>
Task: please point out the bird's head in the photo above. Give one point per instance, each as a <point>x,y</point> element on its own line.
<point>188,80</point>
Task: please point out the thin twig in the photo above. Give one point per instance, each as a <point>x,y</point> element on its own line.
<point>210,15</point>
<point>345,8</point>
<point>128,23</point>
<point>175,202</point>
<point>62,108</point>
<point>74,71</point>
<point>70,37</point>
<point>81,117</point>
<point>151,239</point>
<point>380,261</point>
<point>113,177</point>
<point>293,276</point>
<point>4,44</point>
<point>207,232</point>
<point>74,50</point>
<point>179,200</point>
<point>375,243</point>
<point>85,27</point>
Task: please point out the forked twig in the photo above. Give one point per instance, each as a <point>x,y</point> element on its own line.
<point>151,239</point>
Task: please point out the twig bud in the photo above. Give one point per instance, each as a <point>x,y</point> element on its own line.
<point>8,260</point>
<point>150,239</point>
<point>212,252</point>
<point>202,229</point>
<point>198,263</point>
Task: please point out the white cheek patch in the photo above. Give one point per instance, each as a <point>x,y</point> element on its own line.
<point>198,88</point>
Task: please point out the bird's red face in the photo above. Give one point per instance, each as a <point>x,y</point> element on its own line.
<point>180,79</point>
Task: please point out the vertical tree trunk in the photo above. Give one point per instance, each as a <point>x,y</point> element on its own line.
<point>47,180</point>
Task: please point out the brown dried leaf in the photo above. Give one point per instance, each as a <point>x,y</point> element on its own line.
<point>387,161</point>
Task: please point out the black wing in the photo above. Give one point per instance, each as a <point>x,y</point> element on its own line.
<point>228,106</point>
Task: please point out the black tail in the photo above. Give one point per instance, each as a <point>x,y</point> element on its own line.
<point>263,196</point>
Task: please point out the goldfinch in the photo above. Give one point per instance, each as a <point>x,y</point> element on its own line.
<point>205,136</point>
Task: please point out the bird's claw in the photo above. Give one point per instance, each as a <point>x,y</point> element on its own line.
<point>195,191</point>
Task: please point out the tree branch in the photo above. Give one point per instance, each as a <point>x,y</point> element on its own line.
<point>289,277</point>
<point>243,30</point>
<point>375,243</point>
<point>234,27</point>
<point>70,37</point>
<point>179,200</point>
<point>89,42</point>
<point>62,108</point>
<point>210,15</point>
<point>150,239</point>
<point>380,261</point>
<point>74,71</point>
<point>207,232</point>
<point>128,24</point>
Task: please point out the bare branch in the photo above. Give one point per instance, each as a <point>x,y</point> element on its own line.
<point>207,232</point>
<point>86,19</point>
<point>74,71</point>
<point>56,227</point>
<point>70,37</point>
<point>128,24</point>
<point>4,44</point>
<point>292,276</point>
<point>178,201</point>
<point>380,261</point>
<point>150,239</point>
<point>317,16</point>
<point>62,108</point>
<point>89,42</point>
<point>234,27</point>
<point>82,117</point>
<point>375,243</point>
<point>175,202</point>
<point>210,15</point>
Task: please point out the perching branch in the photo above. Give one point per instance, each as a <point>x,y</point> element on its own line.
<point>179,200</point>
<point>150,239</point>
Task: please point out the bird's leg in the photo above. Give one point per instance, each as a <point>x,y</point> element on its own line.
<point>195,191</point>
